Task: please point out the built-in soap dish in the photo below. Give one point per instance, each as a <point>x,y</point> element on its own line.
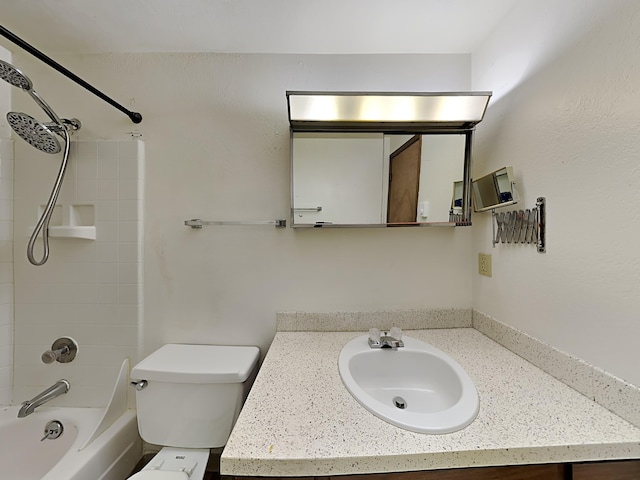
<point>71,221</point>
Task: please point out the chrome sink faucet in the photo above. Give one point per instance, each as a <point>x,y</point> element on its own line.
<point>59,388</point>
<point>392,339</point>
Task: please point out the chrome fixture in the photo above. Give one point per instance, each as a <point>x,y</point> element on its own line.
<point>392,339</point>
<point>197,223</point>
<point>63,350</point>
<point>52,430</point>
<point>43,137</point>
<point>139,385</point>
<point>59,388</point>
<point>522,226</point>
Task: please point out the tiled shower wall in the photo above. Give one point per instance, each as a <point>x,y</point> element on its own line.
<point>6,270</point>
<point>90,290</point>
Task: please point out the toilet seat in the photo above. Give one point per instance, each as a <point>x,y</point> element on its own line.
<point>159,475</point>
<point>172,463</point>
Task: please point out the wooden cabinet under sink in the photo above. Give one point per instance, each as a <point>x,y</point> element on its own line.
<point>612,470</point>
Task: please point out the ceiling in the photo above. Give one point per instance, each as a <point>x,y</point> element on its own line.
<point>252,26</point>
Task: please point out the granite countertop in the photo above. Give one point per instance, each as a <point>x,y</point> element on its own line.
<point>299,419</point>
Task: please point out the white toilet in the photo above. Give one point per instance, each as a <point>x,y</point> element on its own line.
<point>188,397</point>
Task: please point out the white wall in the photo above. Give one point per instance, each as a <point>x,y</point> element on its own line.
<point>217,147</point>
<point>567,117</point>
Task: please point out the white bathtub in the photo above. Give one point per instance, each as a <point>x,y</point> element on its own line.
<point>112,455</point>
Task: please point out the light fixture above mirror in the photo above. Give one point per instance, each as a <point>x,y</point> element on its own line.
<point>386,111</point>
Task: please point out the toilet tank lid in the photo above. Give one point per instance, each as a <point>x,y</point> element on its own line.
<point>180,363</point>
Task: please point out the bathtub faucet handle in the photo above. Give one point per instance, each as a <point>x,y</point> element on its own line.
<point>63,350</point>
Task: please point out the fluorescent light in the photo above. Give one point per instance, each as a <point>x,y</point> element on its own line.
<point>388,110</point>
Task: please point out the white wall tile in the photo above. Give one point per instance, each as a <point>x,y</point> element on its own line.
<point>6,293</point>
<point>129,231</point>
<point>129,273</point>
<point>83,291</point>
<point>6,188</point>
<point>6,376</point>
<point>129,251</point>
<point>107,189</point>
<point>107,211</point>
<point>108,293</point>
<point>6,249</point>
<point>128,168</point>
<point>130,150</point>
<point>87,169</point>
<point>67,314</point>
<point>107,231</point>
<point>6,315</point>
<point>6,231</point>
<point>107,251</point>
<point>129,211</point>
<point>6,355</point>
<point>6,210</point>
<point>129,189</point>
<point>6,263</point>
<point>6,333</point>
<point>129,294</point>
<point>107,273</point>
<point>6,157</point>
<point>87,191</point>
<point>107,151</point>
<point>6,272</point>
<point>107,168</point>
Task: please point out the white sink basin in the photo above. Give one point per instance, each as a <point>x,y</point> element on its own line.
<point>416,387</point>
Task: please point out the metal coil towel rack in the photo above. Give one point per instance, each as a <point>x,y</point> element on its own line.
<point>522,226</point>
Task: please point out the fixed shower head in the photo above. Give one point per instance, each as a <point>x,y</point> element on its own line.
<point>15,77</point>
<point>33,132</point>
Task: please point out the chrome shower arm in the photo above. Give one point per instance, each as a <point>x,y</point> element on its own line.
<point>48,110</point>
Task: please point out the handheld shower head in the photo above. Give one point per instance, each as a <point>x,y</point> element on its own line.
<point>15,77</point>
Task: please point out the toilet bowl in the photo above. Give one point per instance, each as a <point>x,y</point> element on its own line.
<point>188,398</point>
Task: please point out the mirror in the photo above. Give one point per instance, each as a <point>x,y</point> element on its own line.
<point>494,190</point>
<point>378,179</point>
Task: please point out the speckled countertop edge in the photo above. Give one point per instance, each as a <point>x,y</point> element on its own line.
<point>302,421</point>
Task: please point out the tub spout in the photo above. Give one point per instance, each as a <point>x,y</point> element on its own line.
<point>59,388</point>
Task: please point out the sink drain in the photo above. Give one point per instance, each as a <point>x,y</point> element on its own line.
<point>400,402</point>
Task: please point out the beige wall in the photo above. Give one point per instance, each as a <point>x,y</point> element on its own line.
<point>566,115</point>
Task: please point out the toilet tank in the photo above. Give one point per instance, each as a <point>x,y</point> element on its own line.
<point>193,394</point>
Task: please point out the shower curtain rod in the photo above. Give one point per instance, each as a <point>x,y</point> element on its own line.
<point>134,116</point>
